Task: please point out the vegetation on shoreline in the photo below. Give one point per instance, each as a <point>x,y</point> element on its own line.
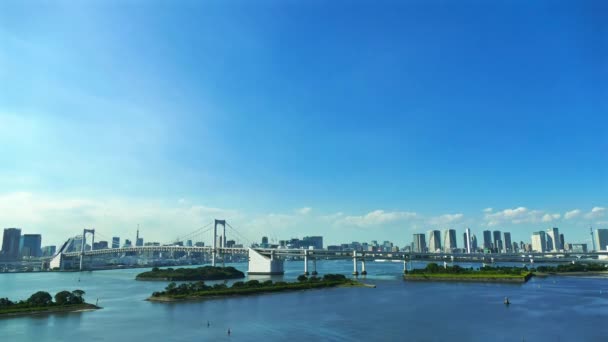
<point>593,267</point>
<point>43,302</point>
<point>191,274</point>
<point>432,271</point>
<point>201,290</point>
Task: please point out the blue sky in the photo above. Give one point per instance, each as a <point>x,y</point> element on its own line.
<point>355,120</point>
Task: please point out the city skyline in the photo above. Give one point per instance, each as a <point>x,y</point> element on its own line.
<point>388,121</point>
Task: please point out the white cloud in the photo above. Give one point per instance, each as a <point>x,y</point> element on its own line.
<point>488,210</point>
<point>304,211</point>
<point>377,217</point>
<point>515,216</point>
<point>572,214</point>
<point>446,219</point>
<point>551,217</point>
<point>596,212</point>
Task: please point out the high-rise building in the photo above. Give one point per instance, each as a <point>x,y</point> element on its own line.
<point>539,241</point>
<point>115,242</point>
<point>507,241</point>
<point>561,241</point>
<point>49,250</point>
<point>10,243</point>
<point>515,247</point>
<point>30,245</point>
<point>434,240</point>
<point>487,239</point>
<point>497,240</point>
<point>188,243</point>
<point>449,240</point>
<point>467,240</point>
<point>553,242</point>
<point>419,243</point>
<point>264,240</point>
<point>601,239</point>
<point>313,241</point>
<point>127,243</point>
<point>474,243</point>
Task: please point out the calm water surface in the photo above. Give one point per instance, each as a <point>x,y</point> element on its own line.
<point>549,309</point>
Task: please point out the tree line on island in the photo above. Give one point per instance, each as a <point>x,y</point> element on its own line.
<point>200,289</point>
<point>42,300</point>
<point>191,274</point>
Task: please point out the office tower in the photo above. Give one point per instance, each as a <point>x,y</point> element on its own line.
<point>601,239</point>
<point>487,239</point>
<point>127,243</point>
<point>515,247</point>
<point>449,240</point>
<point>434,241</point>
<point>467,240</point>
<point>507,241</point>
<point>264,240</point>
<point>10,243</point>
<point>497,239</point>
<point>553,243</point>
<point>539,241</point>
<point>561,241</point>
<point>188,243</point>
<point>474,243</point>
<point>419,243</point>
<point>115,242</point>
<point>30,245</point>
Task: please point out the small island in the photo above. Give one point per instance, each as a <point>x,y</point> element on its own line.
<point>42,303</point>
<point>191,274</point>
<point>434,272</point>
<point>572,269</point>
<point>199,290</point>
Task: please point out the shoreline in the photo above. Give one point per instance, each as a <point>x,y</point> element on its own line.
<point>570,274</point>
<point>52,310</point>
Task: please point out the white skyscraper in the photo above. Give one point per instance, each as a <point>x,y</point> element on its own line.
<point>553,241</point>
<point>467,233</point>
<point>601,239</point>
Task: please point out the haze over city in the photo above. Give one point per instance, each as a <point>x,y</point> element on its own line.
<point>354,123</point>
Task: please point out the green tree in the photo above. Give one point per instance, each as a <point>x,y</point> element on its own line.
<point>77,296</point>
<point>63,298</point>
<point>40,298</point>
<point>302,278</point>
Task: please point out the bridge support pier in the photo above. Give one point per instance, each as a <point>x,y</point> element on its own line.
<point>404,264</point>
<point>314,267</point>
<point>306,262</point>
<point>355,271</point>
<point>363,271</point>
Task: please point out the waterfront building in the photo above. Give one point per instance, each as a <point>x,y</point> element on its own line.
<point>419,243</point>
<point>115,242</point>
<point>515,247</point>
<point>601,239</point>
<point>467,240</point>
<point>487,239</point>
<point>188,243</point>
<point>449,240</point>
<point>10,243</point>
<point>561,241</point>
<point>49,250</point>
<point>507,241</point>
<point>30,245</point>
<point>100,245</point>
<point>434,241</point>
<point>127,244</point>
<point>539,241</point>
<point>553,242</point>
<point>578,247</point>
